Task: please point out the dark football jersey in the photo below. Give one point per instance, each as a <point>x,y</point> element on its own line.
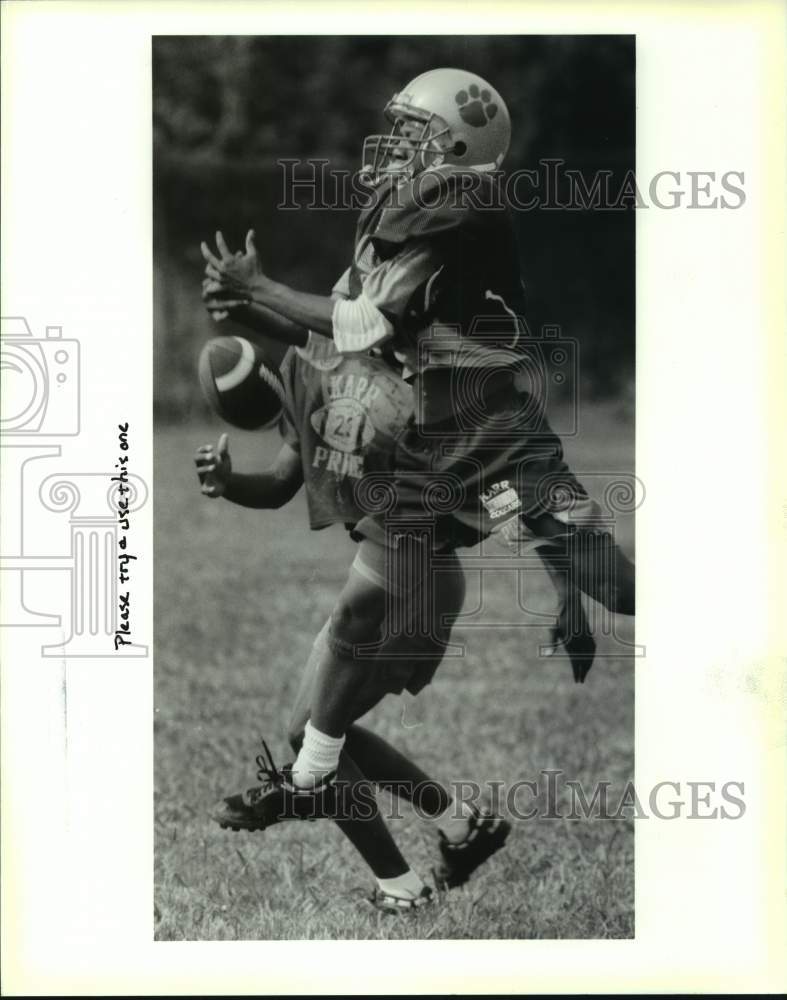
<point>438,257</point>
<point>343,415</point>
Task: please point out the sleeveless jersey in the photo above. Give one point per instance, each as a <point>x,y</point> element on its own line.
<point>343,415</point>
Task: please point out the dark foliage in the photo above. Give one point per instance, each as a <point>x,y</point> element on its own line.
<point>226,109</point>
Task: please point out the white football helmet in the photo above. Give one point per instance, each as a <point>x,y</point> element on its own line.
<point>443,116</point>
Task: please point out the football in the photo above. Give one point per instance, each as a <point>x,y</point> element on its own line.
<point>241,384</point>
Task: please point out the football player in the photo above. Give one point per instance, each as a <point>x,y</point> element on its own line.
<point>434,282</point>
<point>340,421</point>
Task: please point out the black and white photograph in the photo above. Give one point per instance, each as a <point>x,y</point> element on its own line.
<point>395,323</point>
<point>392,544</point>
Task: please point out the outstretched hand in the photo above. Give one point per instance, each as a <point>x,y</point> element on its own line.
<point>219,303</point>
<point>235,274</point>
<point>214,467</point>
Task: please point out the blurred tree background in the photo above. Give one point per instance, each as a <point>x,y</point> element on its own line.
<point>226,109</point>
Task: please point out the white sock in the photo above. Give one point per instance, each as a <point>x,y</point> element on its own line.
<point>318,756</point>
<point>407,886</point>
<point>454,823</point>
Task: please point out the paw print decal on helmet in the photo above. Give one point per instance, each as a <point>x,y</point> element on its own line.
<point>464,122</point>
<point>476,107</point>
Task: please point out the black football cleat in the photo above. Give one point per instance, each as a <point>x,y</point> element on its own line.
<point>275,800</point>
<point>487,835</point>
<point>389,903</point>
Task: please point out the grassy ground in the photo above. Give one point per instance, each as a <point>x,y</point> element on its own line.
<point>239,597</point>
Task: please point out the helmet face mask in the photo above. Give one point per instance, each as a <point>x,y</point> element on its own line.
<point>444,116</point>
<point>415,143</point>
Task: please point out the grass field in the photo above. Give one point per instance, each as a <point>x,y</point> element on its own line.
<point>239,597</point>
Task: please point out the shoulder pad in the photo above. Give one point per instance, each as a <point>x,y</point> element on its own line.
<point>436,201</point>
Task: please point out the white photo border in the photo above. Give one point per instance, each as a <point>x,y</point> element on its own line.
<point>77,795</point>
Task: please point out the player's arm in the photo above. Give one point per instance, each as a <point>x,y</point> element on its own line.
<point>355,325</point>
<point>241,281</point>
<point>255,317</point>
<point>260,490</point>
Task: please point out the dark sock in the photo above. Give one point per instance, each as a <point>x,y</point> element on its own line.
<point>364,827</point>
<point>388,768</point>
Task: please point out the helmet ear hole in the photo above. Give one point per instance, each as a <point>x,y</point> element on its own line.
<point>460,148</point>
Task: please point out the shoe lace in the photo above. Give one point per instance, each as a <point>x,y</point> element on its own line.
<point>267,772</point>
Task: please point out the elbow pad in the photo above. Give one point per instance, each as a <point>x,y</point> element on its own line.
<point>359,325</point>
